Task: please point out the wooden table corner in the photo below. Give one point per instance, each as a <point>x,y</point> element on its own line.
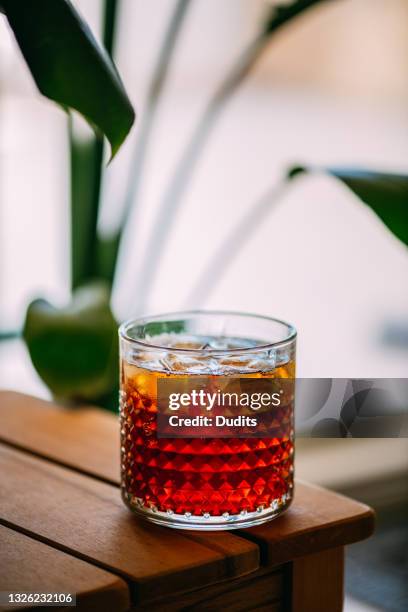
<point>64,528</point>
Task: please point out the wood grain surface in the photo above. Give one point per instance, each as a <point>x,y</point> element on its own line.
<point>87,518</point>
<point>318,582</point>
<point>33,567</point>
<point>317,519</point>
<point>60,496</point>
<point>266,586</point>
<point>86,439</point>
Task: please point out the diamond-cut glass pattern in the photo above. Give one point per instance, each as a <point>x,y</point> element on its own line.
<point>200,476</point>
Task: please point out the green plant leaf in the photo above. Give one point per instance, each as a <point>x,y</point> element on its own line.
<point>107,256</point>
<point>75,349</point>
<point>385,193</point>
<point>69,67</point>
<point>86,160</point>
<point>86,182</point>
<point>281,14</point>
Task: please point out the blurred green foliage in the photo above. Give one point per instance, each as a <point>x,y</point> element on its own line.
<point>69,67</point>
<point>384,192</point>
<point>74,349</point>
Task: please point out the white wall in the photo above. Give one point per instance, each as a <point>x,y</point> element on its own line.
<point>333,89</point>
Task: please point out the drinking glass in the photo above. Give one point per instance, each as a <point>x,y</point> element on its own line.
<point>205,482</point>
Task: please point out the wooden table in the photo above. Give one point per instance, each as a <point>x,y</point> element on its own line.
<point>64,528</point>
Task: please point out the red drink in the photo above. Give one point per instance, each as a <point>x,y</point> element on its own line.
<point>206,478</point>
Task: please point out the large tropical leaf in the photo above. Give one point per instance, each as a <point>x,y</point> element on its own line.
<point>68,65</point>
<point>385,193</point>
<point>283,13</point>
<point>75,349</point>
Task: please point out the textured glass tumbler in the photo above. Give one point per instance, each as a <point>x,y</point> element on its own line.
<point>204,483</point>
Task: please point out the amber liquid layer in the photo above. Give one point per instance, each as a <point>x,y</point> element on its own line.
<point>196,476</point>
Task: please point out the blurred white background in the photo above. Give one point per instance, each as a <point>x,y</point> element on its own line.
<point>331,89</point>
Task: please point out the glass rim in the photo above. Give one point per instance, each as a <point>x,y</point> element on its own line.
<point>124,335</point>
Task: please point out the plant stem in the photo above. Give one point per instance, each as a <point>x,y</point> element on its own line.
<point>175,191</point>
<point>110,13</point>
<point>235,240</point>
<point>9,335</point>
<point>110,244</point>
<point>109,25</point>
<point>184,170</point>
<point>86,175</point>
<point>83,154</point>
